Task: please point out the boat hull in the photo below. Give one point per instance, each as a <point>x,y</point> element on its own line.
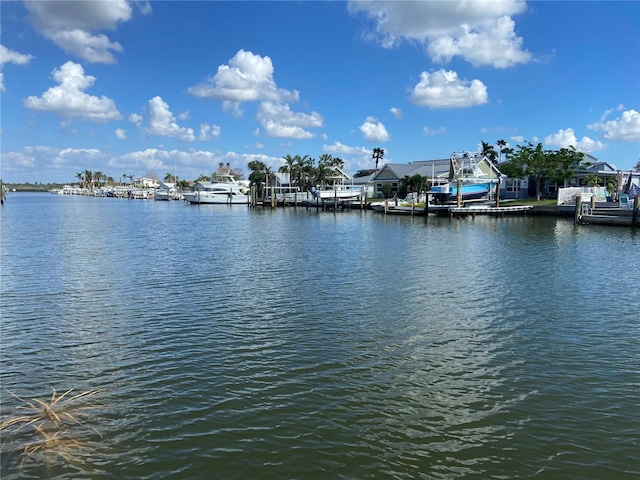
<point>208,198</point>
<point>470,191</point>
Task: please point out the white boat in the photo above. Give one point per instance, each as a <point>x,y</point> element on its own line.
<point>225,190</point>
<point>167,191</point>
<point>338,191</point>
<point>465,173</point>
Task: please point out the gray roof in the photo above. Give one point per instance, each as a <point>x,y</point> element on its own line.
<point>424,168</point>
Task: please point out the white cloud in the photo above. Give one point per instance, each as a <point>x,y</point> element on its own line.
<point>396,112</point>
<point>341,149</point>
<point>207,132</point>
<point>72,25</point>
<point>163,123</point>
<point>625,128</point>
<point>374,131</point>
<point>246,78</point>
<point>68,99</point>
<point>443,89</point>
<point>233,108</point>
<point>11,56</point>
<point>136,119</point>
<point>567,138</point>
<point>481,32</point>
<point>493,44</point>
<point>430,131</point>
<point>356,158</point>
<point>121,134</point>
<point>279,121</point>
<point>184,115</point>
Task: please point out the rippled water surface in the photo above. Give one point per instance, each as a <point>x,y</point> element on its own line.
<point>235,343</point>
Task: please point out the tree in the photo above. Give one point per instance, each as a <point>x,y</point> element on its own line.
<point>80,176</point>
<point>169,177</point>
<point>130,177</point>
<point>534,162</point>
<point>98,176</point>
<point>88,178</point>
<point>489,152</point>
<point>638,166</point>
<point>288,167</point>
<point>501,148</point>
<point>303,168</point>
<point>257,175</point>
<point>363,173</point>
<point>377,155</point>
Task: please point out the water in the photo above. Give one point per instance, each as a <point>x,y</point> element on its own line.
<point>235,343</point>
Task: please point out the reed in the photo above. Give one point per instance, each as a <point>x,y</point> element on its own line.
<point>48,427</point>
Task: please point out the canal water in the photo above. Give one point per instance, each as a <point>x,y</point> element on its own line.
<point>225,342</point>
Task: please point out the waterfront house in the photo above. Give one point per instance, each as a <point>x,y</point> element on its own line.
<point>436,172</point>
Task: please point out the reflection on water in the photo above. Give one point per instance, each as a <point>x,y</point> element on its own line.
<point>292,343</point>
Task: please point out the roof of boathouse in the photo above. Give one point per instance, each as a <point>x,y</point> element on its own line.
<point>424,168</point>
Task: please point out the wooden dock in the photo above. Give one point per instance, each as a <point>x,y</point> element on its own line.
<point>595,214</point>
<point>488,210</point>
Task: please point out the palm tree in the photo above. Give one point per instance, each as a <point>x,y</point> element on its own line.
<point>302,168</point>
<point>88,177</point>
<point>130,177</point>
<point>123,177</point>
<point>489,152</point>
<point>169,177</point>
<point>80,176</point>
<point>288,167</point>
<point>378,153</point>
<point>321,173</point>
<point>256,177</point>
<point>98,176</point>
<point>268,176</point>
<point>501,146</point>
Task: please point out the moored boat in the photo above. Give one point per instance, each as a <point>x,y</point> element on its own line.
<point>225,190</point>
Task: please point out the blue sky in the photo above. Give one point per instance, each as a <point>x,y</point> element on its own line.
<point>154,87</point>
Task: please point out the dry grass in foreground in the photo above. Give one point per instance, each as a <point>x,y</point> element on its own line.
<point>51,427</point>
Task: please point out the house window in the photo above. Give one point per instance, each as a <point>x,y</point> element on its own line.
<point>513,185</point>
<point>378,187</point>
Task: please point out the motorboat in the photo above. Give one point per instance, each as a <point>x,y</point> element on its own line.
<point>224,190</point>
<point>337,191</point>
<point>466,175</point>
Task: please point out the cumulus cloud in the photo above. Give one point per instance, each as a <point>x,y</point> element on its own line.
<point>121,134</point>
<point>396,112</point>
<point>69,100</point>
<point>340,149</point>
<point>431,131</point>
<point>11,56</point>
<point>208,132</point>
<point>625,128</point>
<point>136,119</point>
<point>443,89</point>
<point>481,32</point>
<point>278,120</point>
<point>73,25</point>
<point>355,158</point>
<point>247,77</point>
<point>374,131</point>
<point>567,138</point>
<point>163,123</point>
